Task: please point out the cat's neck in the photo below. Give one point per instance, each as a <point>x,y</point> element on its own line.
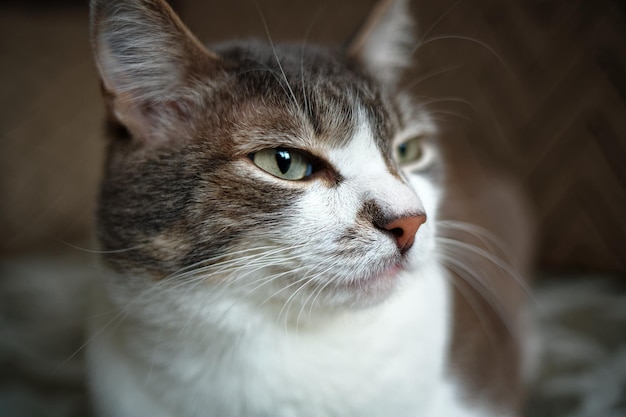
<point>244,349</point>
<point>233,314</point>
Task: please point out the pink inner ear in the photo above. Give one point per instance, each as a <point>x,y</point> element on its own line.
<point>153,122</point>
<point>146,58</point>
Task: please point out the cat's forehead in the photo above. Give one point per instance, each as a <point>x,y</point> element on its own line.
<point>298,93</point>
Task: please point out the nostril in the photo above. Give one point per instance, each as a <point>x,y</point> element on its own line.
<point>404,230</point>
<point>397,232</point>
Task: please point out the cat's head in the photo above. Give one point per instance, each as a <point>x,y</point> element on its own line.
<point>288,173</point>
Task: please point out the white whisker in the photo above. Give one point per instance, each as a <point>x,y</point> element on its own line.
<point>287,303</point>
<point>316,293</point>
<point>431,75</point>
<point>492,258</point>
<point>472,300</point>
<point>307,107</point>
<point>449,113</point>
<point>467,39</point>
<point>464,271</point>
<point>443,16</point>
<point>484,235</point>
<point>269,38</point>
<point>101,251</point>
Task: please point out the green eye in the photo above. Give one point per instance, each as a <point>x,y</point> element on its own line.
<point>409,151</point>
<point>283,163</point>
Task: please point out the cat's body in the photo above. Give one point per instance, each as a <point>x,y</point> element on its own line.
<point>270,230</point>
<point>348,365</point>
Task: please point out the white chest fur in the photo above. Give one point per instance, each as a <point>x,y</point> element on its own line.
<point>388,360</point>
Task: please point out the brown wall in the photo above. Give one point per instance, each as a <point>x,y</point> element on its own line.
<point>537,88</point>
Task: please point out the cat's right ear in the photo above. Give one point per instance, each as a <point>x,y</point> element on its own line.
<point>385,42</point>
<point>148,62</point>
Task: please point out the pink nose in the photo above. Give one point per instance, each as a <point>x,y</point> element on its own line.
<point>404,230</point>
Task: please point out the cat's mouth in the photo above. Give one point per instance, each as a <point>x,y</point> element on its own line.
<point>391,272</point>
<point>383,276</point>
<point>378,283</point>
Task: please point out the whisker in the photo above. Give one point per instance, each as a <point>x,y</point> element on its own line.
<point>426,101</point>
<point>443,16</point>
<point>449,113</point>
<point>195,269</point>
<point>92,337</point>
<point>100,251</point>
<point>265,281</point>
<point>315,290</point>
<point>483,290</point>
<point>164,286</point>
<point>258,263</point>
<point>271,42</point>
<point>307,108</point>
<point>494,259</point>
<point>467,39</point>
<point>472,300</point>
<point>277,76</point>
<point>269,262</point>
<point>484,235</point>
<point>308,268</point>
<point>289,300</point>
<point>432,74</point>
<point>152,359</point>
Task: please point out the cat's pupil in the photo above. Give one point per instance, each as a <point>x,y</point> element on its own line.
<point>283,159</point>
<point>402,150</point>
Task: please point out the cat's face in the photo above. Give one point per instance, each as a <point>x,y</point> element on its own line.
<point>284,175</point>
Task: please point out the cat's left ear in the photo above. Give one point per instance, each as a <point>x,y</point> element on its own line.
<point>385,42</point>
<point>151,66</point>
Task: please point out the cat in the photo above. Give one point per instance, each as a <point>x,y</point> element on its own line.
<point>271,227</point>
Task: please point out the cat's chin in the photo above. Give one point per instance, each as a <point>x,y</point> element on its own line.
<point>377,285</point>
<point>392,272</point>
<point>386,276</point>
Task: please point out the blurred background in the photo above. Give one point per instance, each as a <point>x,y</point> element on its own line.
<point>534,88</point>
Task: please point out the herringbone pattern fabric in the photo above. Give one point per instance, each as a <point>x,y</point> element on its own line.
<point>539,87</point>
<point>536,87</point>
<point>546,95</point>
